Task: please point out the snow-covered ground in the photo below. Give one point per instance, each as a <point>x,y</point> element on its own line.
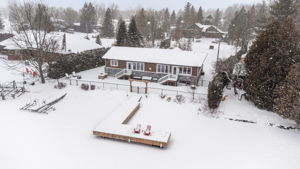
<point>63,138</point>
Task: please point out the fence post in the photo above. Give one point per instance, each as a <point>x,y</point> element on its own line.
<point>70,82</point>
<point>76,82</point>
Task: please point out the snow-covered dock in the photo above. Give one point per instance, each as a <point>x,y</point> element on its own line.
<point>115,126</point>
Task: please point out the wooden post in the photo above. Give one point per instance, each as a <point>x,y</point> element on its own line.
<point>130,86</point>
<point>146,89</point>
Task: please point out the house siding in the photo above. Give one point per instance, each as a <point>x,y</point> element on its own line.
<point>150,70</point>
<point>150,67</point>
<point>121,64</point>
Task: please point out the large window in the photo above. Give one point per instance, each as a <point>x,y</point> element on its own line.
<point>162,68</point>
<point>185,70</point>
<point>114,63</point>
<point>135,66</point>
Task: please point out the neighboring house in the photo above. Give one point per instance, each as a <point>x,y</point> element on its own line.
<point>75,43</point>
<point>199,30</point>
<point>164,66</point>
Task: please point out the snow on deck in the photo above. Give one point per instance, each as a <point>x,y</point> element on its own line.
<point>116,125</point>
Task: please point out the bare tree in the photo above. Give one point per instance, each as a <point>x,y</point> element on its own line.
<point>32,27</point>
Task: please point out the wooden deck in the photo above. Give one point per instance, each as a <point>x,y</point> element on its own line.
<point>116,127</point>
<point>132,139</point>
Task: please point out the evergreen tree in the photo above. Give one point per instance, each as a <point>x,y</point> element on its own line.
<point>166,21</point>
<point>252,17</point>
<point>173,18</point>
<point>282,9</point>
<point>193,15</point>
<point>187,18</point>
<point>141,22</point>
<point>269,60</point>
<point>42,21</point>
<point>107,26</point>
<point>239,30</point>
<point>287,95</point>
<point>262,17</point>
<point>64,43</point>
<point>200,18</point>
<point>209,20</point>
<point>134,37</point>
<point>88,17</point>
<point>98,40</point>
<point>217,18</point>
<point>1,23</point>
<point>122,34</point>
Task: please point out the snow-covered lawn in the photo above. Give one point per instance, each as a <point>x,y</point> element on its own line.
<point>63,138</point>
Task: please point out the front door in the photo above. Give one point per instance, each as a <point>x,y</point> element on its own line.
<point>175,70</point>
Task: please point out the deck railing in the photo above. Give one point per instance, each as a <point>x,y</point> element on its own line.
<point>168,77</point>
<point>123,72</point>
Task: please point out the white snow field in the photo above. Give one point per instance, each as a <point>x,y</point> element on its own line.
<point>63,139</point>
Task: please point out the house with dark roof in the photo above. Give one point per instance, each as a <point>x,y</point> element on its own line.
<point>199,30</point>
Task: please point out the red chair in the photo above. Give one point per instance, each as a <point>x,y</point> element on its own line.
<point>137,129</point>
<point>147,132</point>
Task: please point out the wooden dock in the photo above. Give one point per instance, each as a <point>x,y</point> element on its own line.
<point>116,127</point>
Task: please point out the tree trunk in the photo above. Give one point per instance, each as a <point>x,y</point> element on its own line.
<point>41,74</point>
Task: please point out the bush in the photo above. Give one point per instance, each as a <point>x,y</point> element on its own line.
<point>287,102</point>
<point>76,63</point>
<point>268,62</point>
<point>215,90</point>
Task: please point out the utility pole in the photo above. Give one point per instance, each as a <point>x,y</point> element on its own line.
<point>218,55</point>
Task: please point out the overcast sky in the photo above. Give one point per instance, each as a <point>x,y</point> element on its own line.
<point>157,4</point>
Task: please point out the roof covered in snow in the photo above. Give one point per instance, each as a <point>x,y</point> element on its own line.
<point>150,55</point>
<point>74,42</point>
<point>205,27</point>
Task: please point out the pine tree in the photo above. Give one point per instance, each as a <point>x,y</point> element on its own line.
<point>193,15</point>
<point>122,34</point>
<point>141,22</point>
<point>209,20</point>
<point>262,17</point>
<point>98,40</point>
<point>252,17</point>
<point>42,21</point>
<point>166,21</point>
<point>239,30</point>
<point>134,37</point>
<point>64,43</point>
<point>88,17</point>
<point>1,23</point>
<point>282,9</point>
<point>187,18</point>
<point>269,60</point>
<point>217,18</point>
<point>107,26</point>
<point>287,95</point>
<point>173,18</point>
<point>200,18</point>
